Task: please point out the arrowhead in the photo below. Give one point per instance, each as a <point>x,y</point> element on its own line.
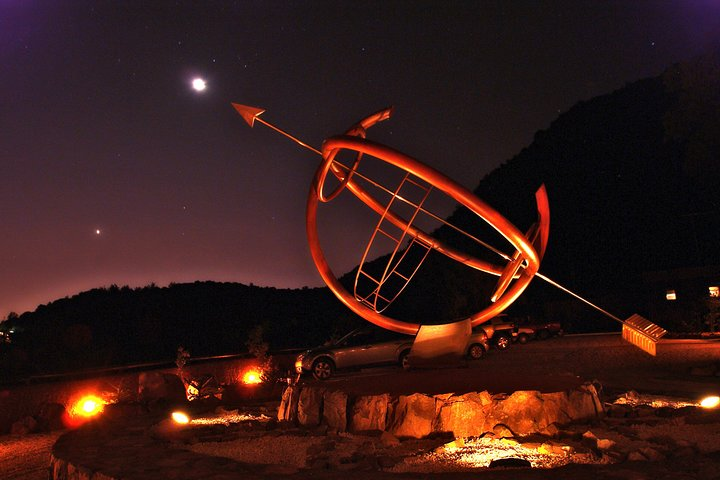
<point>248,113</point>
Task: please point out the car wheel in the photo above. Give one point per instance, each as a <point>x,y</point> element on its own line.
<point>323,368</point>
<point>476,351</point>
<point>404,361</point>
<point>543,334</point>
<point>502,342</point>
<point>523,338</point>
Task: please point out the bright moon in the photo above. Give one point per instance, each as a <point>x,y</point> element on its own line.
<point>199,84</point>
<point>97,232</point>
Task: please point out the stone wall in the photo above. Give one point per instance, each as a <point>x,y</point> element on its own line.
<point>22,401</point>
<point>418,415</point>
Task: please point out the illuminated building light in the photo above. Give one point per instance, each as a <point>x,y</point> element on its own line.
<point>252,377</point>
<point>714,291</point>
<point>710,402</point>
<point>88,406</point>
<point>180,417</point>
<point>670,295</point>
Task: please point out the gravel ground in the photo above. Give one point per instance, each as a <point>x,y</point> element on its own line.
<point>284,450</point>
<point>649,447</point>
<point>26,457</point>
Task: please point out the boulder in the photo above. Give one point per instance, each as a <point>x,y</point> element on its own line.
<point>636,457</point>
<point>369,413</point>
<point>652,454</point>
<point>605,444</point>
<point>414,416</point>
<point>463,415</point>
<point>551,448</point>
<point>309,408</point>
<point>555,409</point>
<point>24,426</point>
<point>160,388</point>
<point>50,417</point>
<point>522,412</point>
<point>334,412</point>
<point>620,410</point>
<point>502,431</point>
<point>551,430</point>
<point>583,403</point>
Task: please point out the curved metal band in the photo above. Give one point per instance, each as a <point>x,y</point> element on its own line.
<point>439,181</point>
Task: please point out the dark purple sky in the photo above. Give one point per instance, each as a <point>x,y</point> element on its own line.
<point>100,130</point>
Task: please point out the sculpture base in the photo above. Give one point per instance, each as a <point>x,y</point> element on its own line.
<point>440,345</point>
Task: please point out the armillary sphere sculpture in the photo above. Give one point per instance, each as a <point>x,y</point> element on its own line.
<point>374,291</point>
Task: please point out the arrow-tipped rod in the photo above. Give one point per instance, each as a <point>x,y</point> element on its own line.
<point>294,139</point>
<point>250,114</point>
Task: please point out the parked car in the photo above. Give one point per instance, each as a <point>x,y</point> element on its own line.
<point>360,348</point>
<point>500,331</point>
<point>479,343</point>
<point>539,329</point>
<point>523,335</point>
<point>367,347</point>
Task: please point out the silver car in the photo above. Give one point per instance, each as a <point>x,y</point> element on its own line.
<point>359,348</point>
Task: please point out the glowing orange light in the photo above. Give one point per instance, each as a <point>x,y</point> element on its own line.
<point>710,402</point>
<point>88,406</point>
<point>180,417</point>
<point>252,377</point>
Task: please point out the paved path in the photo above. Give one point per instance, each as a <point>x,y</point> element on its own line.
<point>554,365</point>
<point>27,457</point>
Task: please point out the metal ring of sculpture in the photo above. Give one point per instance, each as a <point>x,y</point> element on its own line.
<point>521,267</point>
<point>637,330</point>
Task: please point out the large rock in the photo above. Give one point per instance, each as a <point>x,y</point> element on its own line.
<point>335,410</point>
<point>526,412</point>
<point>522,412</point>
<point>50,416</point>
<point>156,388</point>
<point>310,406</point>
<point>464,415</point>
<point>555,406</point>
<point>369,413</point>
<point>584,402</point>
<point>414,416</point>
<point>24,426</point>
<point>418,415</point>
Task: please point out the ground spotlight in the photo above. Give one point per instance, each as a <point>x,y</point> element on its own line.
<point>181,418</point>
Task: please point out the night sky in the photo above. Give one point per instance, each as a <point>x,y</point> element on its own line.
<point>115,171</point>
